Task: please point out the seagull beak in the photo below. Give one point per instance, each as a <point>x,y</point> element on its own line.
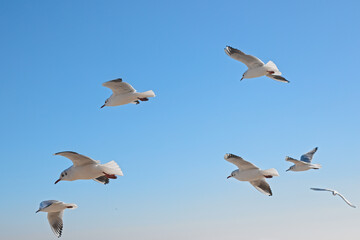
<point>242,78</point>
<point>57,181</point>
<point>102,106</point>
<point>228,177</point>
<point>37,211</point>
<point>288,169</point>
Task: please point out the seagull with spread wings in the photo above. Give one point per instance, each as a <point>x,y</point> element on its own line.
<point>334,193</point>
<point>86,168</point>
<point>124,93</point>
<point>304,163</point>
<point>55,210</point>
<point>256,67</point>
<point>250,173</point>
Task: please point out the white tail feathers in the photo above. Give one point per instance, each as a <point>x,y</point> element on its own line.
<point>71,205</point>
<point>149,93</point>
<point>112,168</point>
<point>271,65</point>
<point>316,166</point>
<point>270,172</point>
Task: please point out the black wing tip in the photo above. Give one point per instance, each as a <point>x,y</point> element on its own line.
<point>58,153</point>
<point>116,80</point>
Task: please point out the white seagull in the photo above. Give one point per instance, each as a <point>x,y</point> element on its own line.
<point>55,210</point>
<point>124,93</point>
<point>256,67</point>
<point>250,173</point>
<point>334,193</point>
<point>87,168</point>
<point>304,163</point>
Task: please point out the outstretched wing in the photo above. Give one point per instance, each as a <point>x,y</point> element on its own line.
<point>277,78</point>
<point>307,157</point>
<point>262,186</point>
<point>322,189</point>
<point>347,201</point>
<point>77,159</point>
<point>56,223</point>
<point>295,161</point>
<point>47,203</point>
<point>119,87</point>
<point>239,162</point>
<point>248,60</point>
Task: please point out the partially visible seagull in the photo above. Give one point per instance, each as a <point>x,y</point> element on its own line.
<point>87,168</point>
<point>256,67</point>
<point>304,163</point>
<point>250,173</point>
<point>334,193</point>
<point>124,93</point>
<point>55,210</point>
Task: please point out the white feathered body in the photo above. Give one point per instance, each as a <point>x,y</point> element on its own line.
<point>253,174</point>
<point>262,70</point>
<point>304,167</point>
<point>57,207</point>
<point>122,99</point>
<point>92,171</point>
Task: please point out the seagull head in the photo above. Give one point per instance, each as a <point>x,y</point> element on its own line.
<point>231,175</point>
<point>63,176</point>
<point>106,101</point>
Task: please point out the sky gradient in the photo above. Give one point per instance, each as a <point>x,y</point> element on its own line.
<point>55,56</point>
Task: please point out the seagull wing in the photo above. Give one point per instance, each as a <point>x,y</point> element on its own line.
<point>262,186</point>
<point>347,201</point>
<point>239,162</point>
<point>77,159</point>
<point>295,161</point>
<point>119,87</point>
<point>307,157</point>
<point>277,78</point>
<point>56,223</point>
<point>322,189</point>
<point>47,203</point>
<point>248,60</point>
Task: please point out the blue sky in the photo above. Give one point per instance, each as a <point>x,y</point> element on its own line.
<point>55,56</point>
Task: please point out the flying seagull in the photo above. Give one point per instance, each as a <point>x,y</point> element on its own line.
<point>256,67</point>
<point>304,163</point>
<point>55,210</point>
<point>87,168</point>
<point>124,93</point>
<point>250,173</point>
<point>334,193</point>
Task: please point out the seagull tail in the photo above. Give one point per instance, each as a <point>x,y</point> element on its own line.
<point>316,166</point>
<point>112,168</point>
<point>71,205</point>
<point>149,93</point>
<point>270,172</point>
<point>273,67</point>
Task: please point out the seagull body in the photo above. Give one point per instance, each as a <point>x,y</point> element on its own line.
<point>256,67</point>
<point>304,163</point>
<point>250,173</point>
<point>87,168</point>
<point>124,93</point>
<point>55,210</point>
<point>334,193</point>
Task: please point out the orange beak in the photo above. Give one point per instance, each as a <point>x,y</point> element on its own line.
<point>57,181</point>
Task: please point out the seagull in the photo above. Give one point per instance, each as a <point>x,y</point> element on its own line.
<point>304,163</point>
<point>87,168</point>
<point>55,210</point>
<point>124,93</point>
<point>256,67</point>
<point>334,193</point>
<point>251,173</point>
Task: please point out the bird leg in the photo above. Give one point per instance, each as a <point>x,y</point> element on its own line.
<point>143,99</point>
<point>111,176</point>
<point>137,102</point>
<point>268,176</point>
<point>270,72</point>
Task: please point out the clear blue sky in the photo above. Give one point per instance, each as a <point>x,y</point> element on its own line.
<point>56,54</point>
